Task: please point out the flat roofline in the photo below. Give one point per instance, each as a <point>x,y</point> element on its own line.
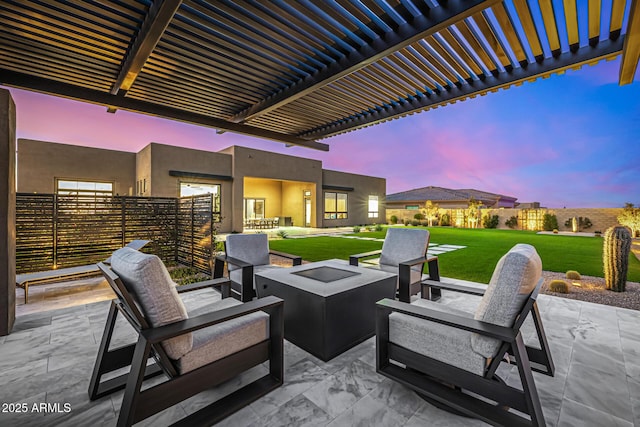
<point>184,174</point>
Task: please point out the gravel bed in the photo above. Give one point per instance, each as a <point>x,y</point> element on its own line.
<point>592,289</point>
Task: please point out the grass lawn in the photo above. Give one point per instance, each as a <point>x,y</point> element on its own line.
<point>477,261</point>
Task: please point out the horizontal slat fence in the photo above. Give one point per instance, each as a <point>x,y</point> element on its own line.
<point>56,231</point>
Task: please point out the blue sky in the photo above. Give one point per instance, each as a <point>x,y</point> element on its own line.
<point>571,140</point>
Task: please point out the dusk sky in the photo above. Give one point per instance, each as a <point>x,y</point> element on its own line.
<point>570,140</point>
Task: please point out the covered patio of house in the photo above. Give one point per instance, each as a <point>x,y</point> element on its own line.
<point>49,356</point>
<point>297,72</point>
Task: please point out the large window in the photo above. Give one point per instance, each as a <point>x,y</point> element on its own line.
<point>335,205</point>
<point>253,208</point>
<point>82,197</point>
<point>373,207</point>
<point>84,188</point>
<point>196,189</point>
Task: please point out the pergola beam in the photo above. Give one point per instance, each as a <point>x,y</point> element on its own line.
<point>155,23</point>
<point>43,85</point>
<point>631,49</point>
<point>438,19</point>
<point>586,55</point>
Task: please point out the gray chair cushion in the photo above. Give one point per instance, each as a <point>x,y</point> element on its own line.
<point>148,280</point>
<point>441,342</point>
<point>402,245</point>
<point>514,278</point>
<point>221,340</point>
<point>236,275</point>
<point>251,248</point>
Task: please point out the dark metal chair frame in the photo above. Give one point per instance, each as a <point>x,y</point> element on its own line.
<point>244,291</point>
<point>539,358</point>
<point>448,385</point>
<point>138,404</point>
<point>405,287</point>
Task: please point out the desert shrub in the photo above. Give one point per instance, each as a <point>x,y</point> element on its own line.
<point>282,234</point>
<point>445,220</point>
<point>186,275</point>
<point>378,227</point>
<point>549,222</point>
<point>356,228</point>
<point>559,286</point>
<point>393,219</point>
<point>512,222</point>
<point>418,216</point>
<point>573,275</point>
<point>415,223</point>
<point>490,221</point>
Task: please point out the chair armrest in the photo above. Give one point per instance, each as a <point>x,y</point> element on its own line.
<point>297,260</point>
<point>220,284</point>
<point>234,261</point>
<point>483,328</point>
<point>161,333</point>
<point>417,261</point>
<point>353,259</point>
<point>453,287</point>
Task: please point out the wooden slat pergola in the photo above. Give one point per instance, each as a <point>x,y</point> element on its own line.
<point>298,71</point>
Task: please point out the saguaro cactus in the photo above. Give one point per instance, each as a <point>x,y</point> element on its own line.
<point>615,254</point>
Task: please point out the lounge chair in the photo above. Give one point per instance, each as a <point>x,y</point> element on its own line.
<point>195,353</point>
<point>245,255</point>
<point>451,356</point>
<point>404,252</point>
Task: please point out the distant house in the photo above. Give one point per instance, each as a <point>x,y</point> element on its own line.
<point>447,198</point>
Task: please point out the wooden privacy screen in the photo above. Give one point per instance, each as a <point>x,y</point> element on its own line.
<point>55,231</point>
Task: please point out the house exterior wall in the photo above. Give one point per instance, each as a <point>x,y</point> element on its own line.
<point>164,158</point>
<point>143,172</point>
<point>41,163</point>
<point>248,162</point>
<point>281,179</point>
<point>293,202</point>
<point>358,199</point>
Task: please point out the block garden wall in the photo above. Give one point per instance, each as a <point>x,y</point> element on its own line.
<point>530,219</point>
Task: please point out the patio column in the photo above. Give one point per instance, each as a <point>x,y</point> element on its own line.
<point>7,212</point>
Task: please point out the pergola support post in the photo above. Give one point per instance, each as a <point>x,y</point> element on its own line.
<point>7,212</point>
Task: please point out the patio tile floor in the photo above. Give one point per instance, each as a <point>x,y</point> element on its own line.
<point>49,356</point>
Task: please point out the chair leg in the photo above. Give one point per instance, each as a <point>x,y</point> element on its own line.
<point>541,356</point>
<point>528,385</point>
<point>434,274</point>
<point>132,396</point>
<point>276,346</point>
<point>111,360</point>
<point>99,367</point>
<point>247,284</point>
<point>404,282</point>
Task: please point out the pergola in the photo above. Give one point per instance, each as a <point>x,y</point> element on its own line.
<point>305,70</point>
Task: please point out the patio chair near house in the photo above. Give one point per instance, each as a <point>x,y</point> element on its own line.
<point>404,252</point>
<point>450,356</point>
<point>197,349</point>
<point>245,255</point>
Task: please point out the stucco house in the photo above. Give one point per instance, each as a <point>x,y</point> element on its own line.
<point>247,183</point>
